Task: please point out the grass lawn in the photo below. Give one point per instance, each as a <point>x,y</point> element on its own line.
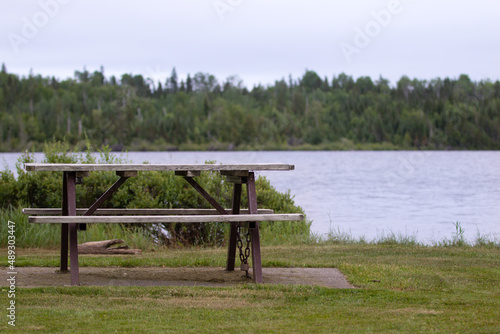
<point>400,289</point>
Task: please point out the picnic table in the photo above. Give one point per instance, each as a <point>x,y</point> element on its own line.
<point>71,218</point>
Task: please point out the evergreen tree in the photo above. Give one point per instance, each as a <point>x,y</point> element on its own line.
<point>189,84</point>
<point>173,82</point>
<point>325,87</point>
<point>159,91</point>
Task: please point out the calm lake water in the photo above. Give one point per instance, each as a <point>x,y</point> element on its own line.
<point>370,194</point>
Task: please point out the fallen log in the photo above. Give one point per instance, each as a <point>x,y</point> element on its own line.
<point>103,247</point>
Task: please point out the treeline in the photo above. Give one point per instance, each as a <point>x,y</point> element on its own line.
<point>201,112</point>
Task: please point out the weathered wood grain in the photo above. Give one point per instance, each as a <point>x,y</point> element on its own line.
<point>165,219</point>
<point>141,212</point>
<point>34,167</point>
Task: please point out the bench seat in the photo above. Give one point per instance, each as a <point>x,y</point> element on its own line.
<point>166,219</point>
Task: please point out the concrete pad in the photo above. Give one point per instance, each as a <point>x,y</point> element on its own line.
<point>192,276</point>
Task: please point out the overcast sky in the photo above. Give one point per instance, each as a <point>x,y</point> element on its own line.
<point>261,41</point>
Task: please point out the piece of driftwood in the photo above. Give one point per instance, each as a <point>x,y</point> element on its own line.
<point>102,247</point>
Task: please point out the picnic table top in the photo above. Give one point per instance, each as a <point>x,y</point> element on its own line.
<point>34,167</point>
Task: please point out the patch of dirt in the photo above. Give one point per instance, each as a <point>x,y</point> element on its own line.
<point>154,276</point>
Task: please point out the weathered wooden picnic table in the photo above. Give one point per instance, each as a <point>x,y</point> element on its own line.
<point>238,174</point>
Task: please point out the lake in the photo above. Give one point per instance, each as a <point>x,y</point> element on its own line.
<point>371,194</point>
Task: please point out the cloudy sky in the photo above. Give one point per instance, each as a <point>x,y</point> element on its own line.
<point>260,41</point>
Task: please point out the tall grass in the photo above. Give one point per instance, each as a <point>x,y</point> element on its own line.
<point>49,235</point>
<point>338,236</point>
<point>27,235</point>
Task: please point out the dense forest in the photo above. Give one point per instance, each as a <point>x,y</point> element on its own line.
<point>201,112</point>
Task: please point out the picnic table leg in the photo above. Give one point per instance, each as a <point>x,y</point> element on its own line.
<point>231,252</point>
<point>254,230</point>
<point>63,266</point>
<point>64,248</point>
<point>73,230</point>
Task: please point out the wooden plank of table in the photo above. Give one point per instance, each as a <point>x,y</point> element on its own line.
<point>165,219</point>
<point>34,167</point>
<point>140,212</point>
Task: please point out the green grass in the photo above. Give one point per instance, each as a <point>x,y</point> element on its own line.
<point>401,288</point>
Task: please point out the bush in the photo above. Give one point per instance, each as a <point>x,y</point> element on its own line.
<point>147,190</point>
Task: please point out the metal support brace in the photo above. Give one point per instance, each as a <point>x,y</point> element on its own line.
<point>206,195</point>
<point>107,195</point>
